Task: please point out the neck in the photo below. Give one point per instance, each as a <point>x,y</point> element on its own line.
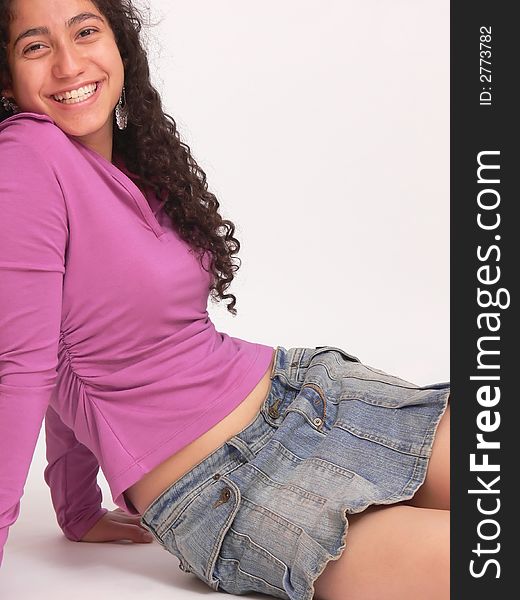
<point>100,141</point>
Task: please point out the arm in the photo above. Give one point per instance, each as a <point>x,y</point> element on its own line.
<point>33,237</point>
<point>71,475</point>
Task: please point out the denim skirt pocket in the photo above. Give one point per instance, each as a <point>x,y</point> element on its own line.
<point>245,563</point>
<point>196,533</point>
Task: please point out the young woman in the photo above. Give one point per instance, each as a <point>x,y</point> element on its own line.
<point>291,472</point>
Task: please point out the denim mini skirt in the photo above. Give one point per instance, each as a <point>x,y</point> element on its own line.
<point>268,509</point>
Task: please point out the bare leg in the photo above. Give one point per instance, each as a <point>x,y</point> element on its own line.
<point>393,552</point>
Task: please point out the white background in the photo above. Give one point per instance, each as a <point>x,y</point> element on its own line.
<point>323,128</point>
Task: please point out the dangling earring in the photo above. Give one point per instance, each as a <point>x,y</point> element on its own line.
<point>122,111</point>
<point>9,105</point>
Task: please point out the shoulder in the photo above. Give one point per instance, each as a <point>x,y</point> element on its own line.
<point>28,144</point>
<point>32,149</point>
<point>32,133</point>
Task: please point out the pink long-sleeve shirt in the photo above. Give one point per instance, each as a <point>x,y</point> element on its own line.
<point>104,329</point>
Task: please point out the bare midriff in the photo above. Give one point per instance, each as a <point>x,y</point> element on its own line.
<point>142,493</point>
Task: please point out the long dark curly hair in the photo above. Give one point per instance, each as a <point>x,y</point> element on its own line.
<point>152,150</point>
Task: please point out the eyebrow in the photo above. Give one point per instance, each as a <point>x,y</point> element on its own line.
<point>45,30</point>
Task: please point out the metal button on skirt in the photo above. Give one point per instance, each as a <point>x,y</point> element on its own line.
<point>267,510</point>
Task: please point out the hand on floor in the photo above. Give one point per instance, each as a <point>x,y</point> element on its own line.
<point>118,525</point>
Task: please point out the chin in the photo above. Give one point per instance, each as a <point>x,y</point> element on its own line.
<point>82,128</point>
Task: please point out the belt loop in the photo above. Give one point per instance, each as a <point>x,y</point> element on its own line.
<point>293,361</point>
<point>273,368</point>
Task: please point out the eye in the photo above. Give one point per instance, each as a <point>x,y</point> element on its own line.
<point>88,29</point>
<point>31,48</point>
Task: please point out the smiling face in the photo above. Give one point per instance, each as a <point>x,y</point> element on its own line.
<point>71,46</point>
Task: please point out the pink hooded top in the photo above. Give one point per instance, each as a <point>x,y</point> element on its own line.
<point>103,328</point>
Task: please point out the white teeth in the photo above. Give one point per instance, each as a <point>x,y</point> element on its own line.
<point>82,93</point>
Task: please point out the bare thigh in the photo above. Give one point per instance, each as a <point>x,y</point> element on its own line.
<point>392,552</point>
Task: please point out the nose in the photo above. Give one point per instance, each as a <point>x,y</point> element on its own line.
<point>68,62</point>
